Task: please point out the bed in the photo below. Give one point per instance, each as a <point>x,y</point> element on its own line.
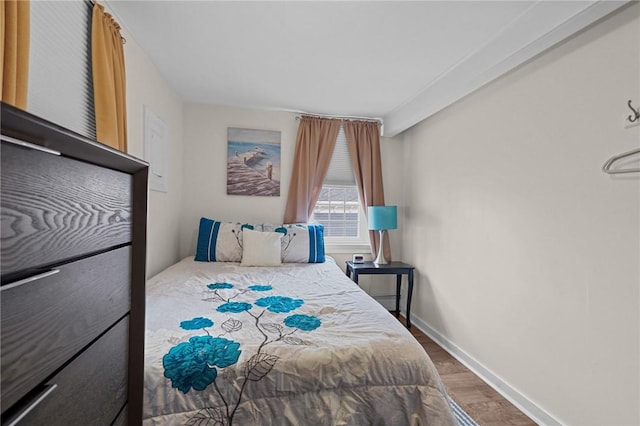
<point>295,344</point>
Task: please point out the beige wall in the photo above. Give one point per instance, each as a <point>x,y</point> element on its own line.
<point>145,86</point>
<point>205,173</point>
<point>528,254</point>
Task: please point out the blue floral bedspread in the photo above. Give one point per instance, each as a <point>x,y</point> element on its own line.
<point>299,344</point>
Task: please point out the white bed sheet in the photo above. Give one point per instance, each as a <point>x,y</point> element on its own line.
<point>322,352</point>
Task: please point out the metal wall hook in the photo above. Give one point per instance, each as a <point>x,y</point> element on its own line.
<point>636,113</point>
<point>607,167</point>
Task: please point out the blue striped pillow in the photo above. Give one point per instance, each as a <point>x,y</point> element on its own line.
<point>219,241</point>
<point>301,243</point>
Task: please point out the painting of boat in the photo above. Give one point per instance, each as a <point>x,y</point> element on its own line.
<point>253,162</point>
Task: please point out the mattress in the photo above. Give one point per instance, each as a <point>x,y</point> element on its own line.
<point>298,344</point>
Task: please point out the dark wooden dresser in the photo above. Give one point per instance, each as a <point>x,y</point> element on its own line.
<point>72,265</point>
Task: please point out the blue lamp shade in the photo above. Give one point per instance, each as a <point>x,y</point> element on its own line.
<point>382,217</point>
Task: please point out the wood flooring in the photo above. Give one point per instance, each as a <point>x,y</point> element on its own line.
<point>479,400</point>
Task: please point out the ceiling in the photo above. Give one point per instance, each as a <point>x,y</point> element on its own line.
<point>400,61</point>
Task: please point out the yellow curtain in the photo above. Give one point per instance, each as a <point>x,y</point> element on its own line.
<point>14,72</point>
<point>109,88</point>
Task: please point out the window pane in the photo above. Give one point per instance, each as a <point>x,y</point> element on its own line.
<point>337,215</point>
<point>351,194</point>
<point>338,210</point>
<point>330,231</point>
<point>321,217</point>
<point>337,194</point>
<point>352,209</point>
<point>324,194</point>
<point>351,229</point>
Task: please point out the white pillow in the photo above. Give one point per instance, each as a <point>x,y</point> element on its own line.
<point>261,248</point>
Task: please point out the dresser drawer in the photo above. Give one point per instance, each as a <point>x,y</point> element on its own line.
<point>46,321</point>
<point>91,390</point>
<point>54,208</point>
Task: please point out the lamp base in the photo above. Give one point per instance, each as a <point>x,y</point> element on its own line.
<point>380,260</point>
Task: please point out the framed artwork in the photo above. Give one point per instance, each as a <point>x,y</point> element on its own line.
<point>253,162</point>
<point>156,151</point>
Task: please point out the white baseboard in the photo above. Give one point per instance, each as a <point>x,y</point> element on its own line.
<point>524,404</point>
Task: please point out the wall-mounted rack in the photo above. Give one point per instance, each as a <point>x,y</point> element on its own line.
<point>634,119</point>
<point>607,166</point>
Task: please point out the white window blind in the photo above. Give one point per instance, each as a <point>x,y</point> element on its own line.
<point>340,169</point>
<point>60,85</point>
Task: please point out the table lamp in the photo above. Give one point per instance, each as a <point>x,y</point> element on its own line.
<point>380,219</point>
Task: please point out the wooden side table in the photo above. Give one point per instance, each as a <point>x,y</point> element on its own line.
<point>397,268</point>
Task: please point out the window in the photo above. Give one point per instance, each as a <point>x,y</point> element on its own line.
<point>338,207</point>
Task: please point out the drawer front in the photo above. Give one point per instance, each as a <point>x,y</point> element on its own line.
<point>55,208</point>
<point>46,322</point>
<point>92,389</point>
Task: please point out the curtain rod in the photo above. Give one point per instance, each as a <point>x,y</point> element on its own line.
<point>341,117</point>
<point>92,3</point>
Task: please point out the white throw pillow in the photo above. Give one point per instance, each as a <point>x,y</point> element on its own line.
<point>261,248</point>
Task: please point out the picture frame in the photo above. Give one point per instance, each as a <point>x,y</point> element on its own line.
<point>253,162</point>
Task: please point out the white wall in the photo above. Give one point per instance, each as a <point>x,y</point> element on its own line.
<point>528,254</point>
<point>205,172</point>
<point>145,86</point>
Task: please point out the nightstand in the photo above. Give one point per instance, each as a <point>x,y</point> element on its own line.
<point>394,268</point>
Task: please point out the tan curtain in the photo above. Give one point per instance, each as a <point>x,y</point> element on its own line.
<point>363,140</point>
<point>314,148</point>
<point>14,72</point>
<point>109,89</point>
